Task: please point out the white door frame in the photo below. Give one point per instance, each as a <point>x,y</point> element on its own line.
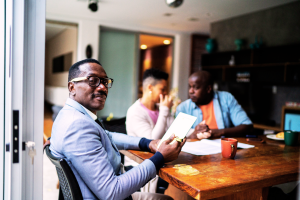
<point>24,92</point>
<point>2,50</point>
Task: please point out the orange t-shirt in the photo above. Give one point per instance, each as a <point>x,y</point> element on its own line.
<point>209,115</point>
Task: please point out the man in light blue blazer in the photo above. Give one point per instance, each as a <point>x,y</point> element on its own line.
<point>91,151</point>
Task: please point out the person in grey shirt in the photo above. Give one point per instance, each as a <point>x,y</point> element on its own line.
<point>93,152</point>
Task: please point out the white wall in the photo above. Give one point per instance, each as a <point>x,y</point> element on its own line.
<point>88,33</point>
<point>63,43</point>
<point>56,95</point>
<point>181,66</point>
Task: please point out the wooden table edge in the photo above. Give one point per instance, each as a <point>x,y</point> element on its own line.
<point>197,194</point>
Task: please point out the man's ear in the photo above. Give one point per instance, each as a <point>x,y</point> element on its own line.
<point>150,87</point>
<point>71,87</point>
<point>209,89</point>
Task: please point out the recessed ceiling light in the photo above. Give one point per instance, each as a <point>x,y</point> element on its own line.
<point>168,14</point>
<point>193,19</point>
<point>143,46</point>
<point>167,42</point>
<point>174,3</point>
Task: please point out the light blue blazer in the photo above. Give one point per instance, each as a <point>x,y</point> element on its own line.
<point>93,155</point>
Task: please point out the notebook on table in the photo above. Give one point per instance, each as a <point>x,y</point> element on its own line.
<point>180,127</point>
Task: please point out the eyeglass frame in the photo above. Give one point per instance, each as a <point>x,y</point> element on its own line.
<point>87,78</point>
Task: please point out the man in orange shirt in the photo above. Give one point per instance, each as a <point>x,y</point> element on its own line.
<point>218,113</point>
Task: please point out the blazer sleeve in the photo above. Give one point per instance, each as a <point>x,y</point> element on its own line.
<point>84,148</point>
<point>123,141</point>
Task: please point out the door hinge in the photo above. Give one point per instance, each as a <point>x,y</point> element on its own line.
<point>15,148</point>
<point>7,147</point>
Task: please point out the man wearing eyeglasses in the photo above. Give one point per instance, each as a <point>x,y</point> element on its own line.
<point>91,151</point>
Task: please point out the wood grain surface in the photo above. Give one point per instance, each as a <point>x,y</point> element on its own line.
<point>247,176</point>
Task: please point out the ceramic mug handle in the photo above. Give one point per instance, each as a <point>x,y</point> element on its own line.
<point>232,150</point>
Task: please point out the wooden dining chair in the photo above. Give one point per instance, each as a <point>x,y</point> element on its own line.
<point>69,188</point>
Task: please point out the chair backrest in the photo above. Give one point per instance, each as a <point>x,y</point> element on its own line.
<point>115,125</point>
<point>67,180</point>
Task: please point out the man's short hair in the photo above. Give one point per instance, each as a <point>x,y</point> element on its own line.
<point>204,76</point>
<point>74,70</point>
<point>153,76</point>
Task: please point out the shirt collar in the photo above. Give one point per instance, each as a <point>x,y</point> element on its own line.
<point>93,116</point>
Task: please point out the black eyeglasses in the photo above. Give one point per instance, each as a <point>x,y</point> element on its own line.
<point>95,81</point>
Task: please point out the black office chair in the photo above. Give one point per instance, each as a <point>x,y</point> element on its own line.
<point>68,185</point>
<point>115,125</point>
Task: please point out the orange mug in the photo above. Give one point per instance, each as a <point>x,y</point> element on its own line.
<point>229,147</point>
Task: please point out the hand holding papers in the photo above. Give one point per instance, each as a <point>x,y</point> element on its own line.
<point>171,152</point>
<point>180,127</point>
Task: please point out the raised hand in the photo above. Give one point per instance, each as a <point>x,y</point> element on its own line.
<point>169,151</point>
<point>166,101</point>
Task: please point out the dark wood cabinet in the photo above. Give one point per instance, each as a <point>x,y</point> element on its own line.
<point>273,65</point>
<point>254,75</point>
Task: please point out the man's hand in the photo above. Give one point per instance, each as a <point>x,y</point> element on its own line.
<point>202,127</point>
<point>153,145</point>
<point>202,131</point>
<point>204,135</point>
<point>169,151</point>
<point>166,101</point>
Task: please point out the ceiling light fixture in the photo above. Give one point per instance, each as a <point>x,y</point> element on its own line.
<point>93,5</point>
<point>143,46</point>
<point>174,3</point>
<point>166,42</point>
<point>168,14</point>
<point>192,19</point>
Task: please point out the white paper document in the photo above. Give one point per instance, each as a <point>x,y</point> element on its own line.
<point>180,127</point>
<point>207,147</point>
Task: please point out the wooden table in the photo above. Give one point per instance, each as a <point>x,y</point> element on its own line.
<point>248,176</point>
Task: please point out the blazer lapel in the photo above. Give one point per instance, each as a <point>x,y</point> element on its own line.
<point>77,106</point>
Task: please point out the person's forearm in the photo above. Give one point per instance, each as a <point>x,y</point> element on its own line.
<point>238,131</point>
<point>159,129</point>
<point>158,160</point>
<point>144,144</point>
